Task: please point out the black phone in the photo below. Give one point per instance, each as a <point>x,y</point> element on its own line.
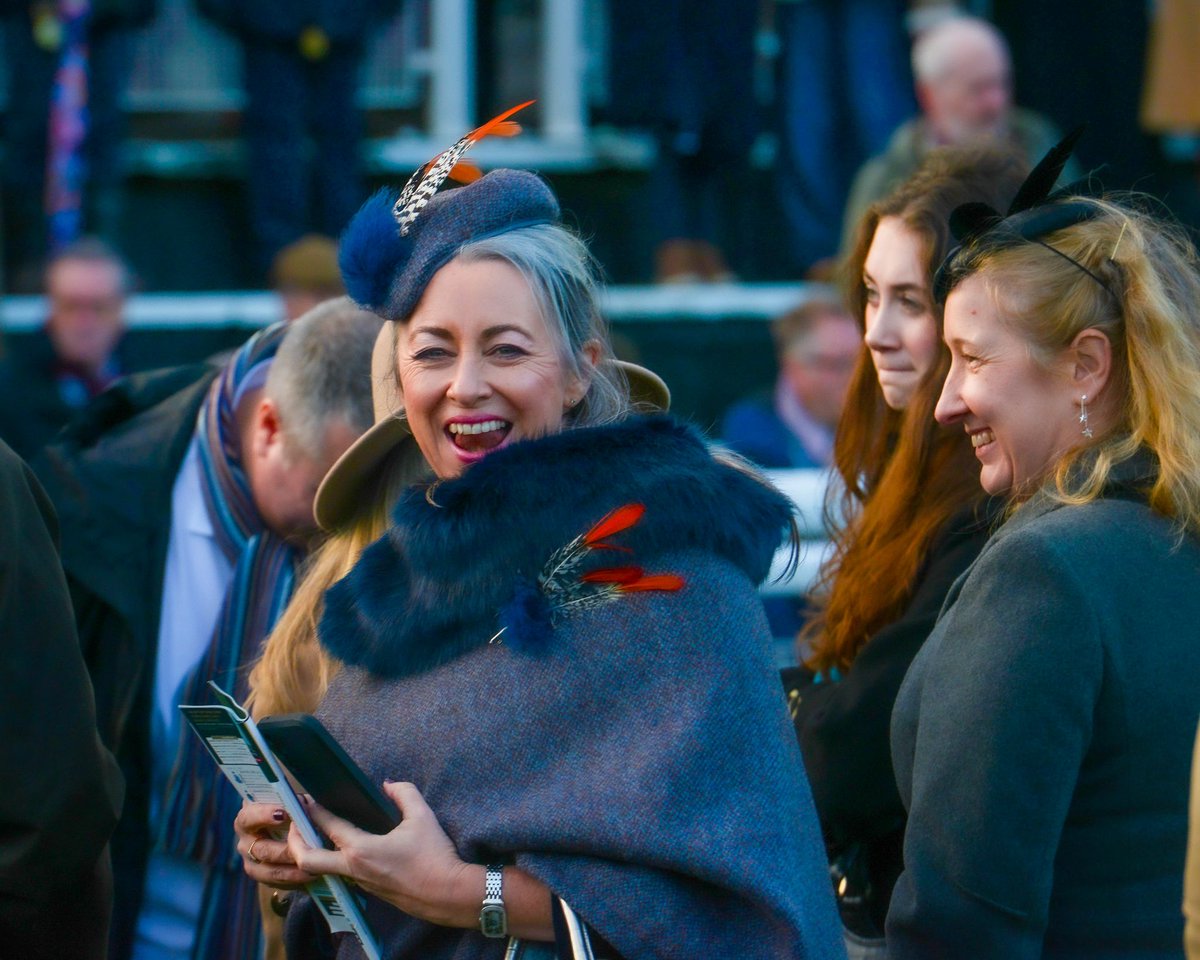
<point>325,770</point>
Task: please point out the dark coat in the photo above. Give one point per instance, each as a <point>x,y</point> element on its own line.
<point>32,410</point>
<point>61,789</point>
<point>752,428</point>
<point>843,725</point>
<point>1042,743</point>
<point>111,476</point>
<point>686,70</point>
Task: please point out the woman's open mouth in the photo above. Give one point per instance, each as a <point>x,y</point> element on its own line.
<point>478,437</point>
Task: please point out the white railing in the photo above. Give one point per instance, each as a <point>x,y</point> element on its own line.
<point>806,489</point>
<point>712,303</point>
<point>451,64</point>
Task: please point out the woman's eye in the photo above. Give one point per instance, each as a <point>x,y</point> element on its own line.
<point>871,294</point>
<point>912,306</point>
<point>431,354</point>
<point>507,350</point>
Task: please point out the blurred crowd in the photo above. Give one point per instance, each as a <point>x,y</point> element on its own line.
<point>798,95</point>
<point>440,507</point>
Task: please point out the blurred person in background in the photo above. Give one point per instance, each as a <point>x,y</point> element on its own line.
<point>792,426</point>
<point>49,376</point>
<point>62,789</point>
<point>305,273</point>
<point>963,75</point>
<point>843,86</point>
<point>907,519</point>
<point>1171,103</point>
<point>186,501</point>
<point>71,58</point>
<point>301,66</point>
<point>684,70</point>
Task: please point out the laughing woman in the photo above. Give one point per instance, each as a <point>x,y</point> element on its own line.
<point>1042,739</point>
<point>557,647</point>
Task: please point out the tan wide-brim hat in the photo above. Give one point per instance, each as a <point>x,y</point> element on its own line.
<point>343,487</point>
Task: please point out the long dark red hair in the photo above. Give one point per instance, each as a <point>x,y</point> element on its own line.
<point>902,475</point>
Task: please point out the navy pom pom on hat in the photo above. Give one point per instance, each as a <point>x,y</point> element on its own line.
<point>397,242</point>
<point>386,273</point>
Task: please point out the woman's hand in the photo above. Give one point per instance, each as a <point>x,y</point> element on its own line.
<point>415,867</point>
<point>267,859</point>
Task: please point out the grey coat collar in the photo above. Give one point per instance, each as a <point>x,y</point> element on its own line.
<point>1129,480</point>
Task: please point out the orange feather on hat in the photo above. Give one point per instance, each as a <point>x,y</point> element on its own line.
<point>424,183</point>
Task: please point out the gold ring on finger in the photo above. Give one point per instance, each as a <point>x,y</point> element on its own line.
<point>250,852</point>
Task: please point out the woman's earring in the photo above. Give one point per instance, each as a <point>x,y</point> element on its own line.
<point>1083,417</point>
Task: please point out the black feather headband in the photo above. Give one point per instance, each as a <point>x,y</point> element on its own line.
<point>1036,211</point>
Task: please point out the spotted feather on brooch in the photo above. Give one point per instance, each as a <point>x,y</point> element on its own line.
<point>570,581</point>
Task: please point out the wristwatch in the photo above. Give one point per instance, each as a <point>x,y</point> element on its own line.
<point>493,919</point>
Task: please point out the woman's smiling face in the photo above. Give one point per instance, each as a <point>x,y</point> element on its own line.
<point>1021,415</point>
<point>478,366</point>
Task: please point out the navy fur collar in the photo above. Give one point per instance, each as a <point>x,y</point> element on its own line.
<point>445,578</point>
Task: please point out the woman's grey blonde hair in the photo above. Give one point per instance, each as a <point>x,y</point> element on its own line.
<point>1144,295</point>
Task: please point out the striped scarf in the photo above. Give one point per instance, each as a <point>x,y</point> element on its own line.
<point>199,807</point>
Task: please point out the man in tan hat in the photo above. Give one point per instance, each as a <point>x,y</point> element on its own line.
<point>305,273</point>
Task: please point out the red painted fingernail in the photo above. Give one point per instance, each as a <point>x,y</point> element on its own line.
<point>278,816</point>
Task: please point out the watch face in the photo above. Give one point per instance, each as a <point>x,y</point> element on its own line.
<point>493,921</point>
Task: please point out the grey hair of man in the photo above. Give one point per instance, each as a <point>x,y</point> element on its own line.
<point>93,250</point>
<point>565,282</point>
<point>321,373</point>
<point>937,51</point>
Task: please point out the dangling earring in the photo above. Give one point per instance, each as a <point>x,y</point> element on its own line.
<point>1083,417</point>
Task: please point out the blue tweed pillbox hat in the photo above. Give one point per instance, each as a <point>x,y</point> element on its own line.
<point>387,273</point>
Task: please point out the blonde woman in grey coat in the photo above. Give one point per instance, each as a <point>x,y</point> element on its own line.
<point>1043,737</point>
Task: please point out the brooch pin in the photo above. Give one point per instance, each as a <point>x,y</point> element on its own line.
<point>561,588</point>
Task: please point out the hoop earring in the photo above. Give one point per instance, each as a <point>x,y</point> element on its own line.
<point>429,491</point>
<point>1083,417</point>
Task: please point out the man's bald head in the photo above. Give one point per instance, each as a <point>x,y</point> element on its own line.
<point>964,80</point>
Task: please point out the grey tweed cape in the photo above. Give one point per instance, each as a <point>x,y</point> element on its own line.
<point>635,755</point>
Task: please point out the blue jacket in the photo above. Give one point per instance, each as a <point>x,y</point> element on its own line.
<point>753,429</point>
